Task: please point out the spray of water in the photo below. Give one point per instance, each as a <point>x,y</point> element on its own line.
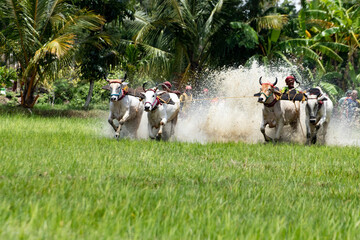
<point>230,112</point>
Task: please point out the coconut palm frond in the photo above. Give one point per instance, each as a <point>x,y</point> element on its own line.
<point>99,40</point>
<point>36,11</point>
<point>157,57</point>
<point>82,21</point>
<point>271,22</point>
<point>209,22</point>
<point>57,47</point>
<point>177,8</point>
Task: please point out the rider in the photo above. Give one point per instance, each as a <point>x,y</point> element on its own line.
<point>290,82</point>
<point>167,86</point>
<point>186,98</point>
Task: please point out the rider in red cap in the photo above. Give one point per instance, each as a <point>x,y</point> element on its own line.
<point>290,82</point>
<point>167,84</point>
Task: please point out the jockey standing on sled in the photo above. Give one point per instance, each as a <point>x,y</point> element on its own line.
<point>351,106</point>
<point>290,92</point>
<point>166,86</point>
<point>186,99</point>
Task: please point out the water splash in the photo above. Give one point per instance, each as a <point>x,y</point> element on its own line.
<point>230,112</point>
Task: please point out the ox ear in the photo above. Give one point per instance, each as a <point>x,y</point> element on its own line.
<point>106,87</point>
<point>322,98</point>
<point>142,95</point>
<point>257,95</point>
<point>277,92</point>
<point>124,84</point>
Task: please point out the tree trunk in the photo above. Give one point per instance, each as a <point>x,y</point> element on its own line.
<point>28,98</point>
<point>89,96</point>
<point>14,86</point>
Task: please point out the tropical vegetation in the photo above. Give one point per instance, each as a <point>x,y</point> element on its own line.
<point>177,40</point>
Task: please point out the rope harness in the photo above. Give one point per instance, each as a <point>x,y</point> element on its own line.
<point>155,103</point>
<point>118,94</point>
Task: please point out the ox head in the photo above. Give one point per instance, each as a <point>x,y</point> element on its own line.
<point>116,87</point>
<point>266,91</point>
<point>150,97</point>
<point>314,99</point>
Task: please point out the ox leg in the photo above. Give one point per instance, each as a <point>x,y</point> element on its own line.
<point>117,132</point>
<point>308,137</point>
<point>278,129</point>
<point>325,127</point>
<point>173,125</point>
<point>160,132</point>
<point>313,134</point>
<point>111,122</point>
<point>262,129</point>
<point>152,131</point>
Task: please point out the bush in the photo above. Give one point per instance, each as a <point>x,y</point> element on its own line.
<point>10,94</point>
<point>74,93</point>
<point>6,75</point>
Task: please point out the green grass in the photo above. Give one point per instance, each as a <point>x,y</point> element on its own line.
<point>61,178</point>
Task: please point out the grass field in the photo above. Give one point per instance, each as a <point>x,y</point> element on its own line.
<point>60,178</point>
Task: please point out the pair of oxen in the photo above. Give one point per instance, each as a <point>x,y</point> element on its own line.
<point>282,109</point>
<point>127,109</point>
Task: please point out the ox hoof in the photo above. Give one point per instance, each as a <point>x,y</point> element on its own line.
<point>158,137</point>
<point>117,135</point>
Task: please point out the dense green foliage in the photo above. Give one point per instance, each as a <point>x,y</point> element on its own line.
<point>179,40</point>
<point>6,75</point>
<point>71,181</point>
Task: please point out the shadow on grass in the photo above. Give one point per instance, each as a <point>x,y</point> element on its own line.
<point>47,111</point>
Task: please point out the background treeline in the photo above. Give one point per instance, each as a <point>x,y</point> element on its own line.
<point>63,48</point>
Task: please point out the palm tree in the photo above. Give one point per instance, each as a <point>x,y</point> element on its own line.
<point>176,35</point>
<point>45,33</point>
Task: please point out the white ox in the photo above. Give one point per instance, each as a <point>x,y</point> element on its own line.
<point>162,117</point>
<point>276,113</point>
<point>318,110</point>
<point>126,109</point>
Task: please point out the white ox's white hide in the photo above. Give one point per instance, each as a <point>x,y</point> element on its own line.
<point>276,113</point>
<point>162,117</point>
<point>126,109</point>
<point>318,110</point>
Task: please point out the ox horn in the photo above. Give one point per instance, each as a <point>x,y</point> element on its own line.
<point>125,76</point>
<point>260,80</point>
<point>144,86</point>
<point>275,81</point>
